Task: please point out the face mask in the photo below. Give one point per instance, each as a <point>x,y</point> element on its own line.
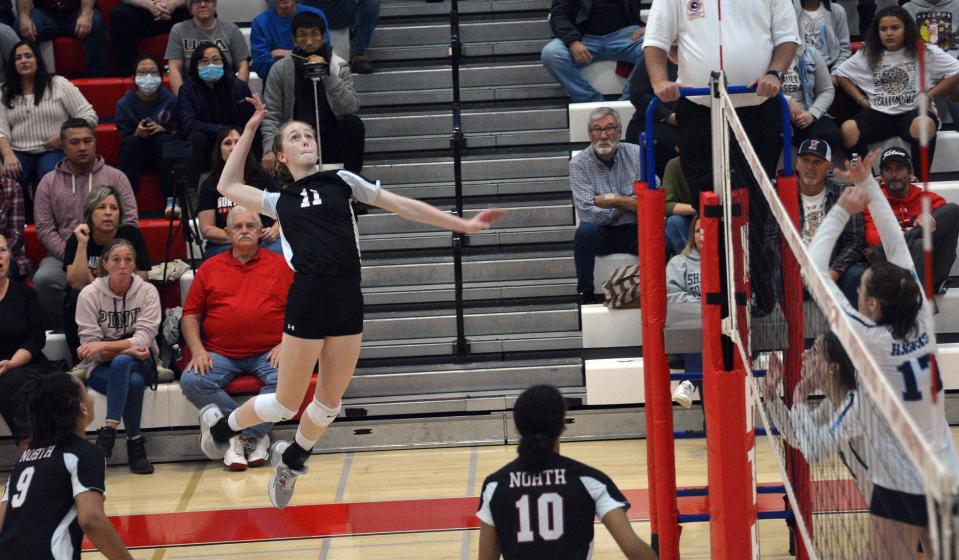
<point>148,84</point>
<point>211,72</point>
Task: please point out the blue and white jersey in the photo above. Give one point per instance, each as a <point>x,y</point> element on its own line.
<point>905,363</point>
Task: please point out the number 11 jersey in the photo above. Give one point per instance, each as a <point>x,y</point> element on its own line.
<point>548,513</point>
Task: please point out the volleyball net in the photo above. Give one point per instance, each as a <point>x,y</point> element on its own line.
<point>863,475</point>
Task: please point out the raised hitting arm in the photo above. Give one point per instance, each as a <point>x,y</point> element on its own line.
<point>231,183</point>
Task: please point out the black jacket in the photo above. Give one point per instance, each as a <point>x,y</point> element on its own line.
<point>565,17</point>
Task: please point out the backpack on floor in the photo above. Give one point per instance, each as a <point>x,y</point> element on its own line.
<point>622,288</point>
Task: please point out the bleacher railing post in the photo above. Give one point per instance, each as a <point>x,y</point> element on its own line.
<point>457,143</point>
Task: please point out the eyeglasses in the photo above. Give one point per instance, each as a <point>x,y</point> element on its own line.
<point>204,1</point>
<point>610,129</point>
<point>204,62</point>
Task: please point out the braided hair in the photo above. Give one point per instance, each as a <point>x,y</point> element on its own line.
<point>540,414</point>
<point>899,297</point>
<point>52,405</point>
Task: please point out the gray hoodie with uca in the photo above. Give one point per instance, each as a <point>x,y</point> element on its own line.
<point>103,315</point>
<point>938,22</point>
<point>682,278</point>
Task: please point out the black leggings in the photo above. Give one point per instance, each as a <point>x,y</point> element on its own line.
<point>875,126</point>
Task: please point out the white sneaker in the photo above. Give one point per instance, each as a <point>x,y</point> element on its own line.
<point>281,485</point>
<point>257,451</point>
<point>683,395</point>
<point>235,457</point>
<point>209,416</point>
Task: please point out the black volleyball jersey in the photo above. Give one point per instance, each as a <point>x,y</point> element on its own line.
<point>317,225</point>
<point>40,515</point>
<point>550,513</point>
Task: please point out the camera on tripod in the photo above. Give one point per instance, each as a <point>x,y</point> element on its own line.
<point>316,69</point>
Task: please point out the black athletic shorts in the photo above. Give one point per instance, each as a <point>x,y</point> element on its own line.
<point>899,506</point>
<point>322,306</point>
<point>875,126</point>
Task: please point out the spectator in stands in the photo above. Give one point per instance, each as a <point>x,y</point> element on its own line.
<point>102,223</point>
<point>665,129</point>
<point>906,201</point>
<point>810,91</point>
<point>586,31</point>
<point>818,192</point>
<point>145,118</point>
<point>938,22</point>
<point>33,105</point>
<point>59,208</point>
<point>289,96</point>
<point>8,38</point>
<point>680,208</point>
<point>204,27</point>
<point>889,98</point>
<point>602,178</point>
<point>118,316</point>
<point>21,340</point>
<point>360,15</point>
<point>230,335</point>
<point>212,208</point>
<point>270,36</point>
<point>12,219</point>
<point>211,98</point>
<point>45,20</point>
<point>758,45</point>
<point>683,286</point>
<point>823,27</point>
<point>139,19</point>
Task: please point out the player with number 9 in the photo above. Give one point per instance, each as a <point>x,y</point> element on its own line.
<point>55,492</point>
<point>542,504</point>
<point>898,332</point>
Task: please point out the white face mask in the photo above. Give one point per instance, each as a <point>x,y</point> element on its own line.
<point>148,83</point>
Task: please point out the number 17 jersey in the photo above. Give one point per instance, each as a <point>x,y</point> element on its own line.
<point>548,513</point>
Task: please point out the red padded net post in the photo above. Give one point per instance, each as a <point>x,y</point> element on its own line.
<point>659,407</point>
<point>729,429</point>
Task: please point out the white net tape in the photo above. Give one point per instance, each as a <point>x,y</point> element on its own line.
<point>939,482</point>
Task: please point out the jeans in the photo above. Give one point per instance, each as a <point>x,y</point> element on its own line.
<point>595,239</point>
<point>129,23</point>
<point>367,15</point>
<point>677,234</point>
<point>202,390</point>
<point>50,282</point>
<point>614,46</point>
<point>121,380</point>
<point>214,249</point>
<point>94,44</point>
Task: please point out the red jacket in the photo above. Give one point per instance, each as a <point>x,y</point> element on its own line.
<point>242,305</point>
<point>906,209</point>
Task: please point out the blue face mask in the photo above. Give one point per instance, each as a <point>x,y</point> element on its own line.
<point>211,72</point>
<point>148,83</point>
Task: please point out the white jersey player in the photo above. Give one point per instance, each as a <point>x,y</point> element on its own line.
<point>897,332</point>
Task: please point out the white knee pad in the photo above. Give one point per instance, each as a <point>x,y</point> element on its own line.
<point>320,414</point>
<point>269,409</point>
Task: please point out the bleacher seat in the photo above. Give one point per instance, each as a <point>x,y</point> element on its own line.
<point>156,47</point>
<point>154,232</point>
<point>69,56</point>
<point>603,77</point>
<point>55,348</point>
<point>108,143</point>
<point>604,327</point>
<point>240,11</point>
<point>616,381</point>
<point>150,197</point>
<point>102,93</point>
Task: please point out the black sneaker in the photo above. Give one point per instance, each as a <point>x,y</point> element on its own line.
<point>589,299</point>
<point>106,437</point>
<point>137,456</point>
<point>361,64</point>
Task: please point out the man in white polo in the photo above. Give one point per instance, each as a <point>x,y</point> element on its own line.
<point>754,45</point>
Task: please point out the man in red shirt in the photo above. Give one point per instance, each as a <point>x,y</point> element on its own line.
<point>906,201</point>
<point>232,323</point>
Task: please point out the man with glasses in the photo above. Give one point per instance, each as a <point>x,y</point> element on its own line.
<point>139,19</point>
<point>219,300</point>
<point>204,26</point>
<point>270,37</point>
<point>289,95</point>
<point>602,177</point>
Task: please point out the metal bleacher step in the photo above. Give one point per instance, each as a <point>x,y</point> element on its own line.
<point>530,166</point>
<point>443,189</point>
<point>502,267</point>
<point>444,293</point>
<point>487,81</point>
<point>450,378</point>
<point>485,344</point>
<point>410,41</point>
<point>444,239</point>
<point>432,323</point>
<point>556,212</point>
<point>407,8</point>
<point>446,402</point>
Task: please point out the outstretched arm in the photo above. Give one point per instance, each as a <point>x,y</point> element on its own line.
<point>417,211</point>
<point>231,180</point>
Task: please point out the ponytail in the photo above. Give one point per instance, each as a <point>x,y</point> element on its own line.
<point>540,414</point>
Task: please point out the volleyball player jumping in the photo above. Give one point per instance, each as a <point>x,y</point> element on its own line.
<point>898,334</point>
<point>324,311</point>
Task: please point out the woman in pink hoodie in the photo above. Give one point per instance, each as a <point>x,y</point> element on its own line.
<point>118,316</point>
